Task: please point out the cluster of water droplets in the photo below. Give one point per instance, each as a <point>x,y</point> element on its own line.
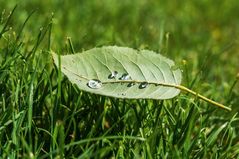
<point>96,84</point>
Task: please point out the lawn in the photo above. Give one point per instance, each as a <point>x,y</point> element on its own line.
<point>43,115</point>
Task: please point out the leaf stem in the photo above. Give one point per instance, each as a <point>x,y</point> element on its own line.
<point>185,89</point>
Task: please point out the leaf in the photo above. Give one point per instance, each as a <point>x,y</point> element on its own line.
<point>123,72</point>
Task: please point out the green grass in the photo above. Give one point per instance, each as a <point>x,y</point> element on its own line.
<point>42,115</point>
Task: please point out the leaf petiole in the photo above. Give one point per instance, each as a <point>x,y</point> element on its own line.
<point>185,89</point>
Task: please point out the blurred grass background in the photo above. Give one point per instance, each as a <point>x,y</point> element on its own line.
<point>201,36</point>
<point>195,29</point>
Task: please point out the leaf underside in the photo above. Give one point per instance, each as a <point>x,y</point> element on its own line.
<point>148,73</point>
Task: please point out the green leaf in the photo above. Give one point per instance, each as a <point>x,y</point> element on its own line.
<point>123,72</point>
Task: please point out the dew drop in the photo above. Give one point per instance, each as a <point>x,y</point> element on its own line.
<point>130,84</point>
<point>143,85</point>
<point>94,83</point>
<point>123,94</point>
<point>125,76</point>
<point>113,75</point>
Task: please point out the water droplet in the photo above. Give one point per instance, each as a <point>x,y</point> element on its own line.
<point>94,83</point>
<point>113,75</point>
<point>143,85</point>
<point>123,94</point>
<point>130,84</point>
<point>125,76</point>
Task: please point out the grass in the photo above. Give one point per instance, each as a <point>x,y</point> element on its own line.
<point>42,115</point>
